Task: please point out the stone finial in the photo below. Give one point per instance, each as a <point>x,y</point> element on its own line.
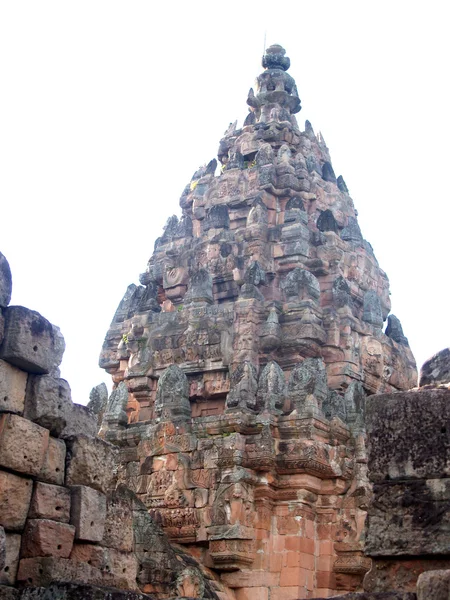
<point>301,284</point>
<point>98,399</point>
<point>115,412</point>
<point>327,222</point>
<point>172,397</point>
<point>270,337</point>
<point>334,406</point>
<point>436,370</point>
<point>394,330</point>
<point>275,58</point>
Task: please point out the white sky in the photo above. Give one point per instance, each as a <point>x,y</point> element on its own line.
<point>107,108</point>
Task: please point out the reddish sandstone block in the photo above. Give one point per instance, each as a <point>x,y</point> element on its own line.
<point>53,469</point>
<point>22,444</point>
<point>287,593</point>
<point>434,584</point>
<point>91,462</point>
<point>50,502</point>
<point>9,571</point>
<point>13,383</point>
<point>255,593</point>
<point>90,554</point>
<point>88,513</point>
<point>15,497</point>
<point>43,537</point>
<point>291,576</point>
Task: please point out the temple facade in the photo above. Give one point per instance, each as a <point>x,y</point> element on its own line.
<point>243,360</point>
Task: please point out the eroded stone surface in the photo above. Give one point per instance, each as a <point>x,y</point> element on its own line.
<point>30,341</point>
<point>436,370</point>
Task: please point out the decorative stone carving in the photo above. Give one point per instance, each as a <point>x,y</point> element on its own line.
<point>244,384</point>
<point>200,287</point>
<point>394,330</point>
<point>300,285</point>
<point>372,312</point>
<point>307,387</point>
<point>272,388</point>
<point>172,397</point>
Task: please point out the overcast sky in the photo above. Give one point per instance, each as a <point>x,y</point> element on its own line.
<point>107,109</point>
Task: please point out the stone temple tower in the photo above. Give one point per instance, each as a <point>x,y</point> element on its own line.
<point>243,360</point>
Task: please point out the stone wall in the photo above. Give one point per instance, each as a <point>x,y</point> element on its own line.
<point>62,516</point>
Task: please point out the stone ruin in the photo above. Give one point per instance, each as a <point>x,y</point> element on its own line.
<point>250,368</point>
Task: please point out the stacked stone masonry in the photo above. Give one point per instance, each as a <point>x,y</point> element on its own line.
<point>62,516</point>
<point>242,362</point>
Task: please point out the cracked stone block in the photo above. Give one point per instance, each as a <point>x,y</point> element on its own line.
<point>90,462</point>
<point>9,571</point>
<point>30,341</point>
<point>48,402</point>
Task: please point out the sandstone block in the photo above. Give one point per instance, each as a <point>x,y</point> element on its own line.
<point>374,596</point>
<point>92,554</point>
<point>53,469</point>
<point>2,547</point>
<point>434,584</point>
<point>436,370</point>
<point>42,571</point>
<point>119,520</point>
<point>5,282</point>
<point>15,497</point>
<point>88,513</point>
<point>80,421</point>
<point>8,593</point>
<point>9,571</point>
<point>12,388</point>
<point>408,435</point>
<point>22,444</point>
<point>50,502</point>
<point>43,537</point>
<point>48,402</point>
<point>73,591</point>
<point>409,518</point>
<point>399,573</point>
<point>90,462</point>
<point>31,342</point>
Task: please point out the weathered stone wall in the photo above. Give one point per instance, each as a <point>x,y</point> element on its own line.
<point>62,516</point>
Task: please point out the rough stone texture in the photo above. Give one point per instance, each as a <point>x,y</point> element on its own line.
<point>80,421</point>
<point>408,521</point>
<point>90,462</point>
<point>30,341</point>
<point>12,388</point>
<point>409,518</point>
<point>5,282</point>
<point>53,468</point>
<point>88,513</point>
<point>50,502</point>
<point>401,574</point>
<point>375,596</point>
<point>70,591</point>
<point>436,370</point>
<point>409,435</point>
<point>15,497</point>
<point>2,547</point>
<point>43,537</point>
<point>434,584</point>
<point>9,593</point>
<point>98,399</point>
<point>23,444</point>
<point>9,571</point>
